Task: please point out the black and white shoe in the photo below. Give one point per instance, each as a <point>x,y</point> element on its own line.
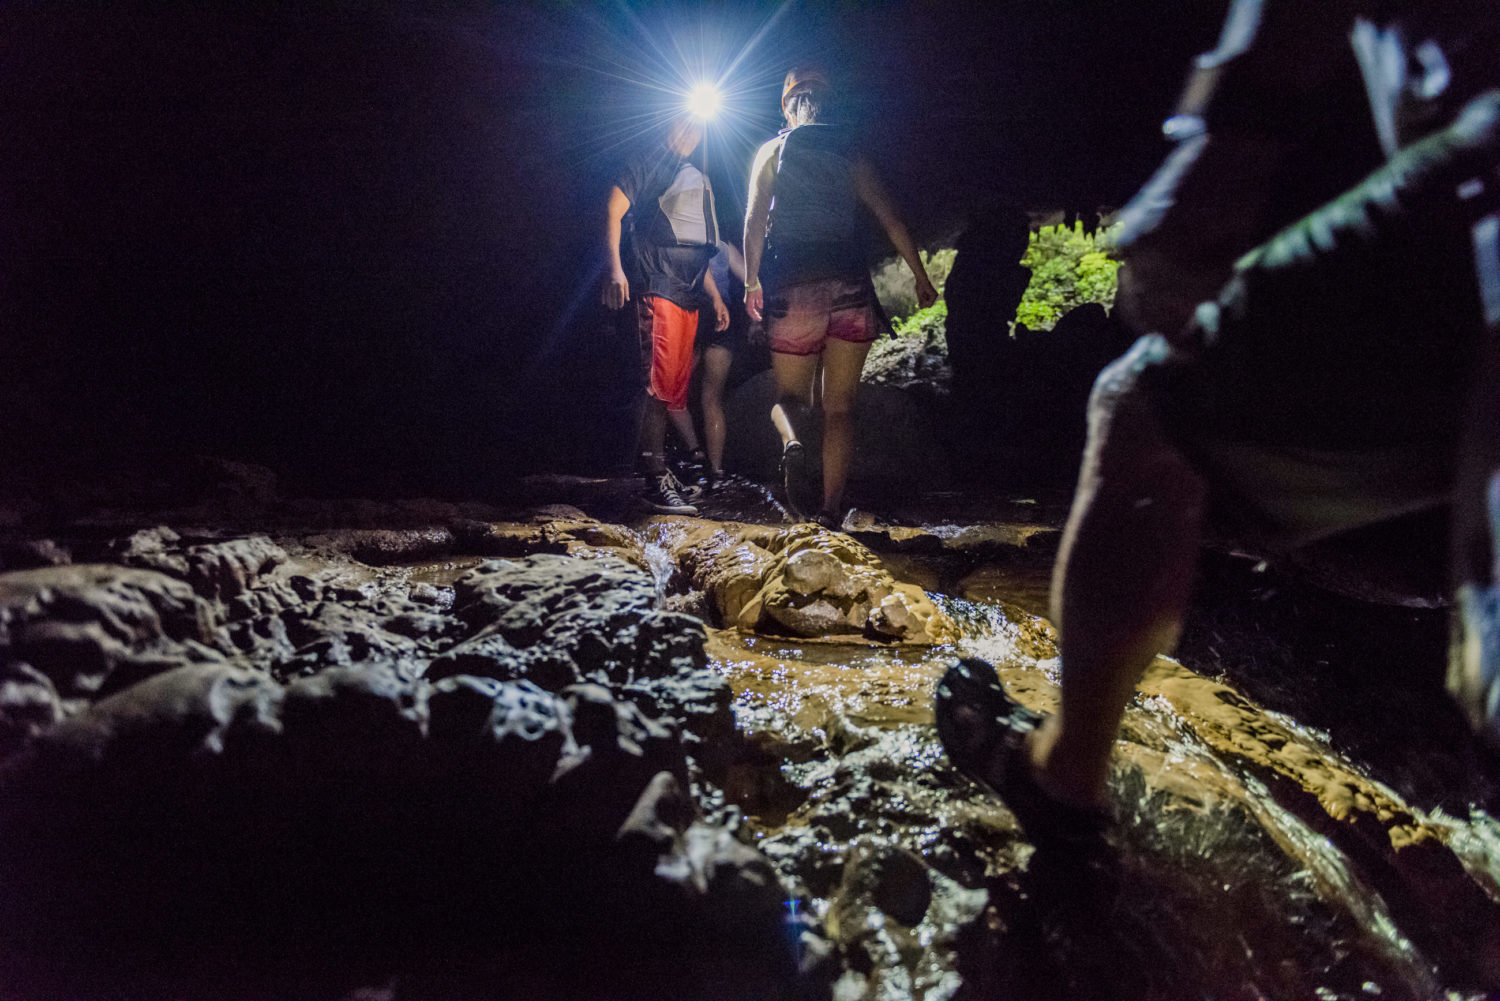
<point>794,475</point>
<point>665,495</point>
<point>691,492</point>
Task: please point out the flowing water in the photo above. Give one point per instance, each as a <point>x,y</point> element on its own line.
<point>1252,858</point>
<point>1262,849</point>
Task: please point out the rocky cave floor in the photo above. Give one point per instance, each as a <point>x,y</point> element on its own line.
<point>551,747</point>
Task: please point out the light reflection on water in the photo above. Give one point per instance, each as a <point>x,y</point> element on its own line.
<point>1199,820</point>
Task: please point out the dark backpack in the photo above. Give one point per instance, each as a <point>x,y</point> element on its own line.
<point>813,230</point>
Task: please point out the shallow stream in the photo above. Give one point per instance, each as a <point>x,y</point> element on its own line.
<point>1253,859</point>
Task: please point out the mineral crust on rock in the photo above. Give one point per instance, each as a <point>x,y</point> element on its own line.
<point>808,581</point>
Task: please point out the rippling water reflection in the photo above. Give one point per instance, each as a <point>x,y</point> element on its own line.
<point>1254,861</point>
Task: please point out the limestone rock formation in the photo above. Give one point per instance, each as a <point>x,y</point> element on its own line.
<point>217,570</point>
<point>808,581</point>
<point>558,529</point>
<point>92,628</point>
<point>239,755</point>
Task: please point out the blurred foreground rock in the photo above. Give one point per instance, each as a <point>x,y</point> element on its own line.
<point>239,768</point>
<point>421,751</point>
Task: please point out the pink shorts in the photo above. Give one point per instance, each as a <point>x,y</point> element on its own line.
<point>800,318</point>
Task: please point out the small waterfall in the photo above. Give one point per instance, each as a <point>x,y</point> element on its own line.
<point>657,542</point>
<point>1326,871</point>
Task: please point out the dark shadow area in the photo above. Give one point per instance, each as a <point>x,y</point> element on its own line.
<point>357,243</point>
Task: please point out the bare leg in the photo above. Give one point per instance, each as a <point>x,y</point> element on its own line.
<point>794,385</point>
<point>842,363</point>
<point>682,420</point>
<point>716,362</point>
<point>1474,660</point>
<point>654,435</point>
<point>1122,580</point>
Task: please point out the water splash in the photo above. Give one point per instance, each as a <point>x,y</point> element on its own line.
<point>1318,874</point>
<point>1236,893</point>
<point>1476,841</point>
<point>657,542</point>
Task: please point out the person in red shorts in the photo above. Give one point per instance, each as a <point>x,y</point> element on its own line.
<point>802,239</point>
<point>670,208</point>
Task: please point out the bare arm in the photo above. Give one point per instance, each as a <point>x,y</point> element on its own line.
<point>870,191</point>
<point>617,289</point>
<point>757,213</point>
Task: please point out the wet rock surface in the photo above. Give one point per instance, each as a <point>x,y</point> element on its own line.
<point>238,767</point>
<point>806,581</point>
<point>302,749</point>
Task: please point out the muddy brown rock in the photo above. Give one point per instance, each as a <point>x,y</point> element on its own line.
<point>821,583</point>
<point>728,562</point>
<point>804,581</point>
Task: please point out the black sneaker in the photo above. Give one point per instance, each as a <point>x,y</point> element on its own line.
<point>793,473</point>
<point>691,483</point>
<point>984,734</point>
<point>664,493</point>
<point>690,491</point>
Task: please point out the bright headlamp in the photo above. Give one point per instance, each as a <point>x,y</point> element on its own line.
<point>704,101</point>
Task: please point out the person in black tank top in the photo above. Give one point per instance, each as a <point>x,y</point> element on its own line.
<point>806,276</point>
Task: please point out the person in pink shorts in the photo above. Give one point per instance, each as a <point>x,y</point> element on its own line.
<point>806,276</point>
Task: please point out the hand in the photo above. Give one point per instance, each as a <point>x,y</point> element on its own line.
<point>755,303</point>
<point>926,294</point>
<point>721,314</point>
<point>617,289</point>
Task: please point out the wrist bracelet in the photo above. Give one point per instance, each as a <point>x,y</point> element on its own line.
<point>753,288</point>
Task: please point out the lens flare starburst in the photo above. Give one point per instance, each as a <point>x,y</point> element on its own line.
<point>704,102</point>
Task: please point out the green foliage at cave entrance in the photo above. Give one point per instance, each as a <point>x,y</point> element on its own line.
<point>1068,268</point>
<point>897,289</point>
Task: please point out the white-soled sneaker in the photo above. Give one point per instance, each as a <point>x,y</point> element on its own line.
<point>664,493</point>
<point>691,492</point>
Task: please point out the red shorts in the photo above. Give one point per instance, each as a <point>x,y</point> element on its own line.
<point>666,331</point>
<point>800,318</point>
